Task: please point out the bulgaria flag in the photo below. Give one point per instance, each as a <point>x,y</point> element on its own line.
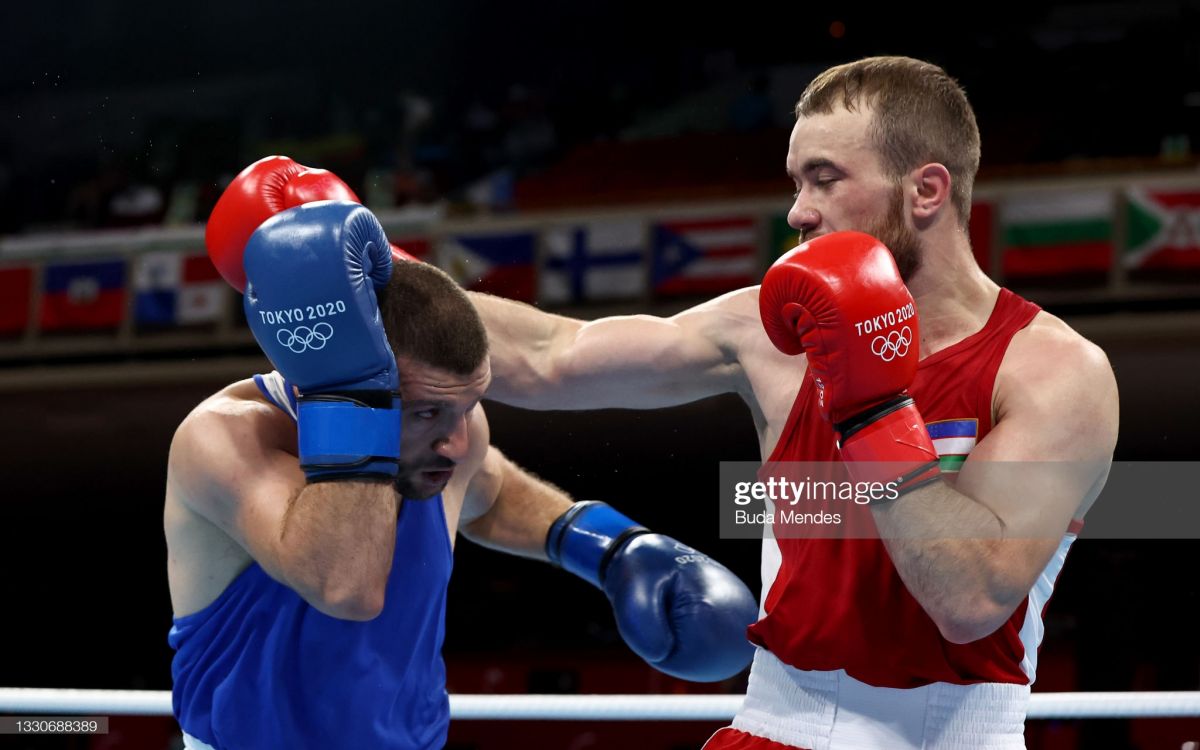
<point>1057,234</point>
<point>1164,229</point>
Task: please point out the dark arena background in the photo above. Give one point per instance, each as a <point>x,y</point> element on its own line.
<point>487,137</point>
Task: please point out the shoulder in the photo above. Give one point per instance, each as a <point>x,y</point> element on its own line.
<point>1052,372</point>
<point>232,429</point>
<point>1049,350</point>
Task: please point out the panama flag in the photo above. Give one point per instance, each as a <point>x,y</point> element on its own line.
<point>953,439</point>
<point>83,295</point>
<point>1164,229</point>
<point>1055,234</point>
<point>499,264</point>
<point>704,256</point>
<point>594,261</point>
<point>175,288</point>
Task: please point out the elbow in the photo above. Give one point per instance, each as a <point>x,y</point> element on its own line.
<point>357,603</point>
<point>350,595</point>
<point>971,622</point>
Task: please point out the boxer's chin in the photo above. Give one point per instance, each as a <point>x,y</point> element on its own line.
<point>422,484</point>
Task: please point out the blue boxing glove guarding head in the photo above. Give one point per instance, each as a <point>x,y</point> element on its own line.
<point>310,300</point>
<point>680,610</point>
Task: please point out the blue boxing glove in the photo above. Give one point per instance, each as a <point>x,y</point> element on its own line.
<point>310,300</point>
<point>680,610</point>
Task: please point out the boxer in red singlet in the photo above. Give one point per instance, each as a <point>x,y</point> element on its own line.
<point>926,636</point>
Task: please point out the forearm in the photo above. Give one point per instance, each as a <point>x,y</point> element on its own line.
<point>336,544</point>
<point>524,508</point>
<point>949,551</point>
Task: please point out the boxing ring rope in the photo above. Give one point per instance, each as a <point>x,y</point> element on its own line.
<point>57,701</point>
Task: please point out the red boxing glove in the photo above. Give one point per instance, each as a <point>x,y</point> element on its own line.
<point>840,300</point>
<point>260,191</point>
<point>400,254</point>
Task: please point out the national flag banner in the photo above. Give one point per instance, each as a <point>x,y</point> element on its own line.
<point>704,255</point>
<point>600,260</point>
<point>175,288</point>
<point>783,237</point>
<point>1164,229</point>
<point>79,296</point>
<point>953,439</point>
<point>501,264</point>
<point>1057,234</point>
<point>418,247</point>
<point>16,289</point>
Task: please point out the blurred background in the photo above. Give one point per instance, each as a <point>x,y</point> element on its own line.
<point>588,158</point>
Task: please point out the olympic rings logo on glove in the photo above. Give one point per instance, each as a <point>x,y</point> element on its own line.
<point>304,338</point>
<point>893,345</point>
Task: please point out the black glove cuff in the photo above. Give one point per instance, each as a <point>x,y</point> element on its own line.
<point>852,425</point>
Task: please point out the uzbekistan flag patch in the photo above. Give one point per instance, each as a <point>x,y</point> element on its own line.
<point>953,439</point>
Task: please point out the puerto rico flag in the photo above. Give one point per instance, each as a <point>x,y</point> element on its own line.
<point>499,264</point>
<point>704,256</point>
<point>953,439</point>
<point>83,296</point>
<point>173,288</point>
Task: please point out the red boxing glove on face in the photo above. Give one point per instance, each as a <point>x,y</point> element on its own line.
<point>260,191</point>
<point>840,300</point>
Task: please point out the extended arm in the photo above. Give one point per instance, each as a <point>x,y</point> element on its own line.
<point>546,361</point>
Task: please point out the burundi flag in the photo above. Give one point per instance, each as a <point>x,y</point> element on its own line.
<point>1057,234</point>
<point>1164,229</point>
<point>953,439</point>
<point>704,256</point>
<point>499,264</point>
<point>595,261</point>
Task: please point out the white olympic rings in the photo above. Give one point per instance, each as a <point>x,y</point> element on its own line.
<point>303,338</point>
<point>894,344</point>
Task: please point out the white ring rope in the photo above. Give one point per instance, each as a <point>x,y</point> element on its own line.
<point>56,701</point>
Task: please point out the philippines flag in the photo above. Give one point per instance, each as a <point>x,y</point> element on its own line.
<point>499,264</point>
<point>704,256</point>
<point>83,296</point>
<point>177,289</point>
<point>594,261</point>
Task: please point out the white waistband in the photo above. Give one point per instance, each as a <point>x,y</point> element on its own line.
<point>834,711</point>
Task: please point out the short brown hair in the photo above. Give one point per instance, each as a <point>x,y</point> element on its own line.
<point>921,115</point>
<point>429,318</point>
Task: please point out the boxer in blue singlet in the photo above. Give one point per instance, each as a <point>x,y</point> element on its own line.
<point>311,512</point>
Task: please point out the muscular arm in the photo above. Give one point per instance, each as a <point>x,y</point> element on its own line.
<point>510,510</point>
<point>545,361</point>
<point>330,542</point>
<point>972,552</point>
